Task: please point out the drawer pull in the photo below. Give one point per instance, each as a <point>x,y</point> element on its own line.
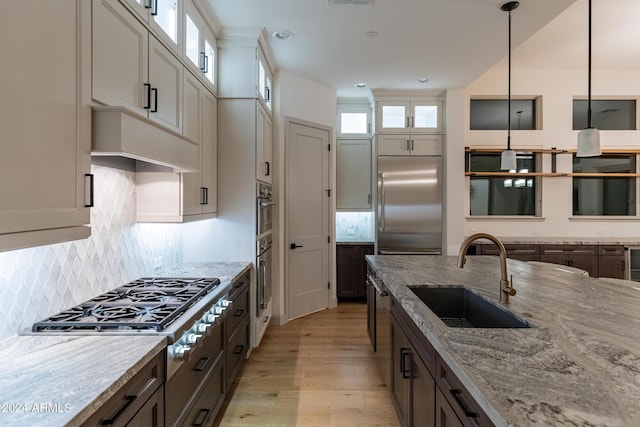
<point>239,312</point>
<point>403,367</point>
<point>458,398</point>
<point>203,414</point>
<point>238,349</point>
<point>202,363</point>
<point>129,400</point>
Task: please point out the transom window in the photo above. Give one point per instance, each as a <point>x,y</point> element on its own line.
<point>612,114</point>
<point>492,114</point>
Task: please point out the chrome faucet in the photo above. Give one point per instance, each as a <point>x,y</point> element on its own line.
<point>506,283</point>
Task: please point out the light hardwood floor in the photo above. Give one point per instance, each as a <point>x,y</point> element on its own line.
<point>318,370</point>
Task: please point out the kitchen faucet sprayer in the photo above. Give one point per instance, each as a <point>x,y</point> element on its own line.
<point>506,282</point>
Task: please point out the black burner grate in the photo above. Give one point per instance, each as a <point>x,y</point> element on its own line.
<point>148,303</point>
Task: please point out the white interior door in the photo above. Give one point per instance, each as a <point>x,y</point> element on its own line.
<point>307,219</point>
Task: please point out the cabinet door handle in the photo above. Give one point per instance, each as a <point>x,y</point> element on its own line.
<point>267,170</point>
<point>239,312</point>
<point>408,145</point>
<point>129,399</point>
<point>147,86</point>
<point>154,12</point>
<point>456,395</point>
<point>267,92</point>
<point>294,246</point>
<point>155,99</point>
<point>203,61</point>
<point>147,4</point>
<point>203,195</point>
<point>238,349</point>
<point>89,191</point>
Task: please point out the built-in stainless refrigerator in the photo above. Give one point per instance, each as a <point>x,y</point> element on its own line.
<point>409,211</point>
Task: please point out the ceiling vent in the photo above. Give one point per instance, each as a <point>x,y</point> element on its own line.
<point>355,2</point>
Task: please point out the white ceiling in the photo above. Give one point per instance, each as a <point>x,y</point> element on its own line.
<point>451,42</point>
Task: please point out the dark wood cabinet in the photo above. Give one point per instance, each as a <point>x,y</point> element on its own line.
<point>584,257</point>
<point>412,382</point>
<point>237,327</point>
<point>351,270</point>
<point>522,252</point>
<point>140,401</point>
<point>612,261</point>
<point>597,260</point>
<point>424,391</point>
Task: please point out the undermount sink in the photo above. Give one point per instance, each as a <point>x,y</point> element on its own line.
<point>459,307</point>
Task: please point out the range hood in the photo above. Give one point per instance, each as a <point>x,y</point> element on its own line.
<point>120,132</point>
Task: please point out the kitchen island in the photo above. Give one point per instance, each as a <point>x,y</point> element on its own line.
<point>579,363</point>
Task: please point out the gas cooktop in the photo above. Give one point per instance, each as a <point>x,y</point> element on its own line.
<point>150,303</point>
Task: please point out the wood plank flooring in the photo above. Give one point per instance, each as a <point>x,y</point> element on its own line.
<point>318,370</point>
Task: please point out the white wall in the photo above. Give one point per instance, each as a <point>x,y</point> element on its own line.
<point>557,87</point>
<point>303,99</point>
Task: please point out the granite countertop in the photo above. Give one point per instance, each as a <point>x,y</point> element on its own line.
<point>62,380</point>
<point>225,271</point>
<point>534,240</point>
<point>578,365</point>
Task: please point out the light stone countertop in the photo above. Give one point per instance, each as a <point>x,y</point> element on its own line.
<point>578,365</point>
<point>62,380</point>
<point>225,271</point>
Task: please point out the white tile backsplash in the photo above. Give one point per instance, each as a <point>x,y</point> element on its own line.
<point>41,281</point>
<point>354,227</point>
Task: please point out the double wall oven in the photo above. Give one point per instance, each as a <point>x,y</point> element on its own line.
<point>262,301</point>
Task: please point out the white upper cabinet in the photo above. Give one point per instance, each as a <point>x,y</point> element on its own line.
<point>163,16</point>
<point>407,117</point>
<point>353,174</point>
<point>265,77</point>
<point>409,145</point>
<point>131,68</point>
<point>264,146</point>
<point>45,186</point>
<point>200,49</point>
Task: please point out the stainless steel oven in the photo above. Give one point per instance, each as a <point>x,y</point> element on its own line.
<point>263,263</point>
<point>264,209</point>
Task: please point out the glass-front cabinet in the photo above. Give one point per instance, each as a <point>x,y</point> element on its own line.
<point>199,46</point>
<point>407,117</point>
<point>162,16</point>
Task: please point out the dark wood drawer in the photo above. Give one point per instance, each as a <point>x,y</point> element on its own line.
<point>239,309</point>
<point>132,396</point>
<point>237,347</point>
<point>611,250</point>
<point>209,400</point>
<point>187,378</point>
<point>461,401</point>
<point>569,249</point>
<point>512,249</point>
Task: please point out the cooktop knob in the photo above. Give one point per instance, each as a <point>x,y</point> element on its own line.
<point>210,318</point>
<point>192,338</point>
<point>203,328</point>
<point>181,353</point>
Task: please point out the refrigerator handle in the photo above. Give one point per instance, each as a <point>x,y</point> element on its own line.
<point>381,202</point>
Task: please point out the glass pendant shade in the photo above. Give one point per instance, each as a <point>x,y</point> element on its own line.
<point>588,143</point>
<point>508,160</point>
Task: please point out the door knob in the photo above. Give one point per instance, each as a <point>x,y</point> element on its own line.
<point>293,246</point>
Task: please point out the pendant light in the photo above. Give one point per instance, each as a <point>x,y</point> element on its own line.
<point>508,158</point>
<point>589,137</point>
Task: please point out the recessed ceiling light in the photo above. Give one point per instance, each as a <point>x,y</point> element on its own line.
<point>423,80</point>
<point>283,35</point>
<point>360,84</point>
<point>371,33</point>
